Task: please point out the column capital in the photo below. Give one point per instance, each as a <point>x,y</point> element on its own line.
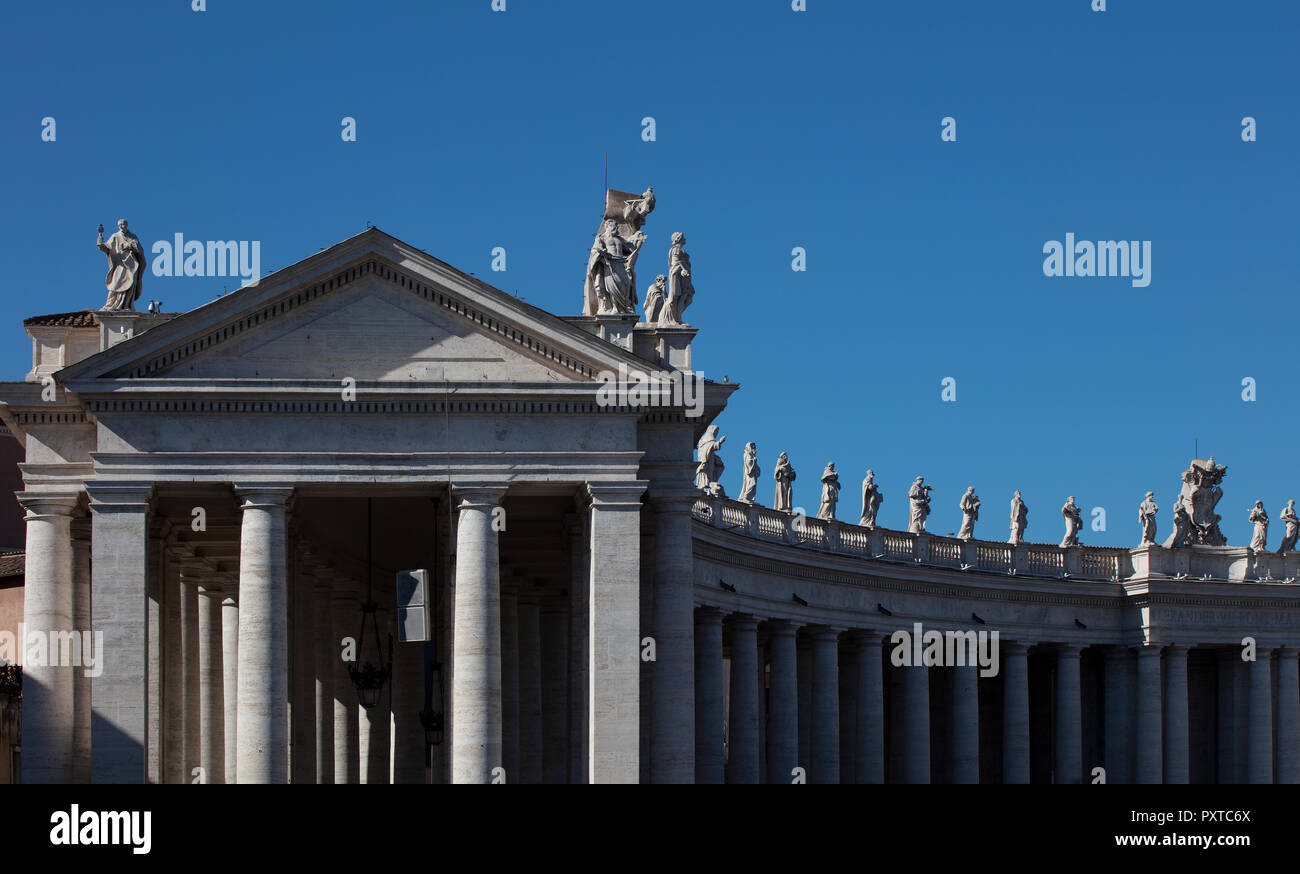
<point>611,496</point>
<point>781,628</point>
<point>1288,651</point>
<point>1016,648</point>
<point>822,632</point>
<point>119,497</point>
<point>478,494</point>
<point>1177,650</point>
<point>670,499</point>
<point>866,636</point>
<point>1150,650</point>
<point>1069,650</point>
<point>264,495</point>
<point>743,621</point>
<point>709,616</point>
<point>44,505</point>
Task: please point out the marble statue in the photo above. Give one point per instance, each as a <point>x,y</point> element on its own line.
<point>709,469</point>
<point>1182,534</point>
<point>784,476</point>
<point>830,492</point>
<point>1199,496</point>
<point>126,263</point>
<point>654,300</point>
<point>871,498</point>
<point>610,284</point>
<point>919,496</point>
<point>1288,516</point>
<point>1019,519</point>
<point>749,486</point>
<point>1147,517</point>
<point>970,512</point>
<point>681,288</point>
<point>1073,517</point>
<point>1260,517</point>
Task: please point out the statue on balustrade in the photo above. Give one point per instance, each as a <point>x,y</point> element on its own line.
<point>709,469</point>
<point>681,287</point>
<point>610,284</point>
<point>1147,517</point>
<point>654,299</point>
<point>784,476</point>
<point>871,498</point>
<point>1182,535</point>
<point>919,496</point>
<point>126,263</point>
<point>1073,517</point>
<point>830,492</point>
<point>1019,519</point>
<point>1260,517</point>
<point>1288,516</point>
<point>1199,496</point>
<point>970,511</point>
<point>750,472</point>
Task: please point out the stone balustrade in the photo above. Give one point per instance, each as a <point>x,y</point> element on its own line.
<point>1232,563</point>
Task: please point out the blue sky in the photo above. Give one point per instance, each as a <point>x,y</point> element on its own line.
<point>774,129</point>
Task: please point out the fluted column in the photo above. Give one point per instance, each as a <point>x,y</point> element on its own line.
<point>1176,742</point>
<point>230,679</point>
<point>825,706</point>
<point>476,672</point>
<point>783,716</point>
<point>1288,716</point>
<point>673,671</point>
<point>530,685</point>
<point>263,717</point>
<point>81,682</point>
<point>615,632</point>
<point>710,713</point>
<point>1259,724</point>
<point>916,724</point>
<point>1149,706</point>
<point>555,691</point>
<point>576,526</point>
<point>346,617</point>
<point>1015,713</point>
<point>1119,714</point>
<point>742,766</point>
<point>212,708</point>
<point>119,554</point>
<point>191,573</point>
<point>964,727</point>
<point>324,654</point>
<point>870,759</point>
<point>1069,716</point>
<point>49,702</point>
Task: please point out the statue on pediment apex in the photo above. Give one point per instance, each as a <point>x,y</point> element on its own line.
<point>126,263</point>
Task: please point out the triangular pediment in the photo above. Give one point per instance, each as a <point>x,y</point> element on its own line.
<point>371,308</point>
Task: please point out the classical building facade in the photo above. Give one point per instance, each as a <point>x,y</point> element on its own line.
<point>215,493</point>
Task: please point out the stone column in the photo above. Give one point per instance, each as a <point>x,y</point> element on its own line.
<point>871,709</point>
<point>263,717</point>
<point>1015,713</point>
<point>230,679</point>
<point>50,698</point>
<point>615,632</point>
<point>1229,731</point>
<point>1176,743</point>
<point>555,691</point>
<point>673,724</point>
<point>916,722</point>
<point>191,573</point>
<point>81,682</point>
<point>1148,714</point>
<point>783,717</point>
<point>476,672</point>
<point>530,685</point>
<point>1259,723</point>
<point>1288,716</point>
<point>825,706</point>
<point>709,709</point>
<point>173,701</point>
<point>964,727</point>
<point>803,673</point>
<point>212,707</point>
<point>742,766</point>
<point>1119,704</point>
<point>119,553</point>
<point>847,697</point>
<point>324,656</point>
<point>408,752</point>
<point>346,615</point>
<point>303,674</point>
<point>576,526</point>
<point>1069,716</point>
<point>510,676</point>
